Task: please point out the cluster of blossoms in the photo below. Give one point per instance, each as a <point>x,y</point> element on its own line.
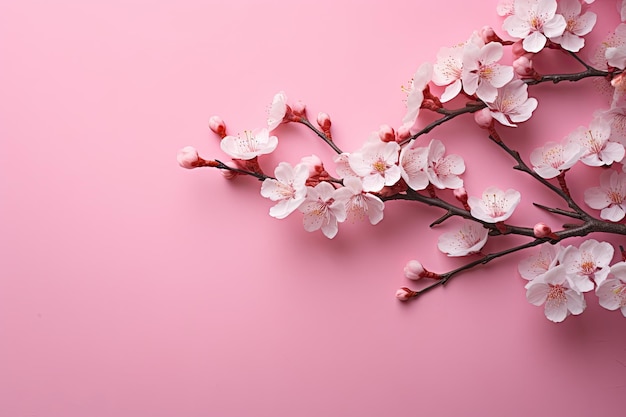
<point>393,164</point>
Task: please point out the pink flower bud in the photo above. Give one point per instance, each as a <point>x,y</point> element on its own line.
<point>518,49</point>
<point>188,157</point>
<point>483,118</point>
<point>460,194</point>
<point>228,174</point>
<point>414,270</point>
<point>523,66</point>
<point>217,125</point>
<point>542,230</point>
<point>314,163</point>
<point>386,133</point>
<point>299,109</point>
<point>404,294</point>
<point>403,132</point>
<point>487,34</point>
<point>323,120</point>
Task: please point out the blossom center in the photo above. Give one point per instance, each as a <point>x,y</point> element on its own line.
<point>615,196</point>
<point>588,267</point>
<point>380,166</point>
<point>620,292</point>
<point>556,294</point>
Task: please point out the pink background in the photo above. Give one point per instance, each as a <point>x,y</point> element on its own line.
<point>132,287</point>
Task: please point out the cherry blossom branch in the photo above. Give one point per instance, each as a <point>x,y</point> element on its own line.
<point>221,165</point>
<point>521,166</point>
<point>319,133</point>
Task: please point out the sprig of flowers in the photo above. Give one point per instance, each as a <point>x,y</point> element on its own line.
<point>393,165</point>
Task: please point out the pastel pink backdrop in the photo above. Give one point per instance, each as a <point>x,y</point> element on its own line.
<point>132,287</point>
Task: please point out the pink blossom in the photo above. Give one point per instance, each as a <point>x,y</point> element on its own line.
<point>534,21</point>
<point>597,148</point>
<point>512,105</point>
<point>413,164</point>
<point>288,189</point>
<point>468,239</point>
<point>577,25</point>
<point>443,171</point>
<point>615,52</point>
<point>616,118</point>
<point>377,163</point>
<point>553,158</point>
<point>253,144</point>
<point>588,263</point>
<point>612,291</point>
<point>482,75</point>
<point>448,69</point>
<point>415,94</point>
<point>359,204</point>
<point>495,205</point>
<point>321,210</point>
<point>555,291</point>
<point>342,166</point>
<point>537,265</point>
<point>609,197</point>
<point>277,111</point>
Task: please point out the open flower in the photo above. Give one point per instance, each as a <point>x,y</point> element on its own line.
<point>597,148</point>
<point>537,265</point>
<point>495,205</point>
<point>468,239</point>
<point>288,189</point>
<point>321,211</point>
<point>553,158</point>
<point>612,292</point>
<point>413,162</point>
<point>253,144</point>
<point>576,25</point>
<point>415,94</point>
<point>588,263</point>
<point>616,118</point>
<point>609,197</point>
<point>481,72</point>
<point>555,291</point>
<point>277,110</point>
<point>534,21</point>
<point>359,204</point>
<point>512,105</point>
<point>443,171</point>
<point>377,163</point>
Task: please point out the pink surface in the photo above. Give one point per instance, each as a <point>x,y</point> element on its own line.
<point>132,287</point>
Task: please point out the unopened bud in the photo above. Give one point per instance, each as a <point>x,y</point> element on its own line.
<point>217,125</point>
<point>386,133</point>
<point>483,118</point>
<point>542,230</point>
<point>487,34</point>
<point>188,157</point>
<point>523,67</point>
<point>403,132</point>
<point>323,120</point>
<point>517,49</point>
<point>404,294</point>
<point>299,109</point>
<point>414,270</point>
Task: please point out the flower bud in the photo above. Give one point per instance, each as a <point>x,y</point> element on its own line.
<point>487,34</point>
<point>404,294</point>
<point>299,109</point>
<point>403,132</point>
<point>188,157</point>
<point>217,125</point>
<point>523,67</point>
<point>386,133</point>
<point>518,49</point>
<point>323,120</point>
<point>414,270</point>
<point>314,163</point>
<point>542,230</point>
<point>483,118</point>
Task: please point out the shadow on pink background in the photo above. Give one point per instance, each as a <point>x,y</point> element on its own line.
<point>132,287</point>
